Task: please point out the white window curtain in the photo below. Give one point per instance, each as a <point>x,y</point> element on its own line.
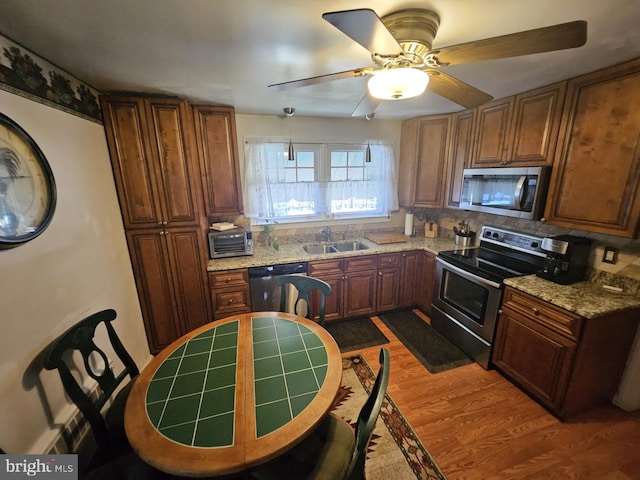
<point>267,195</point>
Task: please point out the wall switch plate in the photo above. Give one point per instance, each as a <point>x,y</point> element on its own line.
<point>610,255</point>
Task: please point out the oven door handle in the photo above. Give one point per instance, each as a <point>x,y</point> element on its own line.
<point>459,270</point>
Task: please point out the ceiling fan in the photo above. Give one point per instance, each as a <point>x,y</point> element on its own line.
<point>405,65</point>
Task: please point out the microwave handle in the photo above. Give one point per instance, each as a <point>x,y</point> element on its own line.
<point>519,193</point>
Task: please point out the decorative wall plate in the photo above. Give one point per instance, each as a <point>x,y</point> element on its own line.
<point>27,187</point>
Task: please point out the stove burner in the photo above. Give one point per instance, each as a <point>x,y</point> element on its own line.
<point>502,254</point>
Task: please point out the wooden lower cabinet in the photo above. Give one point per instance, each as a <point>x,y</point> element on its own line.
<point>388,294</point>
<point>425,280</point>
<point>354,286</point>
<point>169,266</point>
<point>411,270</point>
<point>368,284</point>
<point>566,362</point>
<point>230,292</point>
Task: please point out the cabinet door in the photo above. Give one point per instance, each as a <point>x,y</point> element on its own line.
<point>538,359</point>
<point>388,289</point>
<point>534,126</point>
<point>426,280</point>
<point>462,125</point>
<point>152,154</point>
<point>125,124</point>
<point>334,309</point>
<point>217,150</point>
<point>173,150</point>
<point>595,183</point>
<point>360,293</point>
<point>423,161</point>
<point>186,247</point>
<point>170,275</point>
<point>409,289</point>
<point>492,126</point>
<point>152,272</point>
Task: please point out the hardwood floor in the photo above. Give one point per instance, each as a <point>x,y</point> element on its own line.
<point>478,425</point>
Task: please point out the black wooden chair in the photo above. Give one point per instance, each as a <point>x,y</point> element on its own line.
<point>333,451</point>
<point>304,285</point>
<point>107,427</point>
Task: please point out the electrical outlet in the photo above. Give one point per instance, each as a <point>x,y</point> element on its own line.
<point>610,255</point>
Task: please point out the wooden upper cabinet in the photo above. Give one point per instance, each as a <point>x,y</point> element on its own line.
<point>462,125</point>
<point>153,157</point>
<point>520,130</point>
<point>491,133</point>
<point>596,179</point>
<point>423,161</point>
<point>218,154</point>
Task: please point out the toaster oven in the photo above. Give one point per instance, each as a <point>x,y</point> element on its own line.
<point>230,243</point>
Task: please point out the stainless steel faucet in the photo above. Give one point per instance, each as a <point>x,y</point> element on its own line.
<point>326,231</point>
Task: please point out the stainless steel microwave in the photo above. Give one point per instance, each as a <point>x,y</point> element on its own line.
<point>514,192</point>
<point>230,243</point>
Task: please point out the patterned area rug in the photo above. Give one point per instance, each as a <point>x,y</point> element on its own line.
<point>394,450</point>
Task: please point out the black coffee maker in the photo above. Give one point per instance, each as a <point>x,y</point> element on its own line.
<point>566,261</point>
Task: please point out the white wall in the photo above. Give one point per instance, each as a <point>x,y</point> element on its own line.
<point>78,266</point>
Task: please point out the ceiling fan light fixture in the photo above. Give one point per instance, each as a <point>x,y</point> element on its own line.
<point>398,83</point>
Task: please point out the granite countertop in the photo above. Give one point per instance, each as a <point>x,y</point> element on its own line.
<point>289,253</point>
<point>587,299</point>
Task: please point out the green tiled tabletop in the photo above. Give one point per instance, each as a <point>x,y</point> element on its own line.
<point>191,398</point>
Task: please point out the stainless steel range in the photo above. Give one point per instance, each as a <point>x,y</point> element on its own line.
<point>469,286</point>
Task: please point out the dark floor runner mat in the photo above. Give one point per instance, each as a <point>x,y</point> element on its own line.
<point>355,333</point>
<point>434,351</point>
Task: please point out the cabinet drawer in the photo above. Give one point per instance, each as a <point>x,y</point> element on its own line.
<point>557,319</point>
<point>227,301</point>
<point>228,278</point>
<point>367,262</point>
<point>326,266</point>
<point>389,260</point>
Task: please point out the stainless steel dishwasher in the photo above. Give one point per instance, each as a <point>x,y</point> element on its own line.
<point>265,294</point>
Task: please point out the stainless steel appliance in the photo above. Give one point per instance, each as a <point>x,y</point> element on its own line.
<point>230,243</point>
<point>265,294</point>
<point>469,286</point>
<point>567,257</point>
<point>514,192</point>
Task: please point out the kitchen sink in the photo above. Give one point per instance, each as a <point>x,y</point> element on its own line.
<point>322,248</point>
<point>318,249</point>
<point>349,246</point>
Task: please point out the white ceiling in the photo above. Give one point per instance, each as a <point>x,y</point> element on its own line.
<point>228,51</point>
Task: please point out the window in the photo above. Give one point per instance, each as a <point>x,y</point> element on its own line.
<point>322,181</point>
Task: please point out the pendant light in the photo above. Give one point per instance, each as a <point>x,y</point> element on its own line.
<point>289,112</point>
<point>367,154</point>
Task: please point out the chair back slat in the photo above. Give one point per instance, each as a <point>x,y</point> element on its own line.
<point>304,285</point>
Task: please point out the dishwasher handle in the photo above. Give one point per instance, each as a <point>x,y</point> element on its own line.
<point>280,269</point>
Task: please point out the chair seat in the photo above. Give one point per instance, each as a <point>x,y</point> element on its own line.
<point>324,455</point>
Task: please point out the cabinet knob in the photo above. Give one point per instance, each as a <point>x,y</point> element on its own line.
<point>543,219</point>
<point>228,279</point>
<point>535,310</point>
<point>229,302</point>
<point>379,274</point>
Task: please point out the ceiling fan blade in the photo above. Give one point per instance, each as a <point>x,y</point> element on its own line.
<point>365,27</point>
<point>455,90</point>
<point>545,39</point>
<point>367,106</point>
<point>303,82</point>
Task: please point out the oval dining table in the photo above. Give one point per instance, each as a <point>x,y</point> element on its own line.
<point>233,394</point>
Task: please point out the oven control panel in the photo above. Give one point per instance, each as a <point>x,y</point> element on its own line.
<point>515,240</point>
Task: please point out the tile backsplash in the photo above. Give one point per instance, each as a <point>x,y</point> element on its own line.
<point>627,264</point>
<point>628,260</point>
